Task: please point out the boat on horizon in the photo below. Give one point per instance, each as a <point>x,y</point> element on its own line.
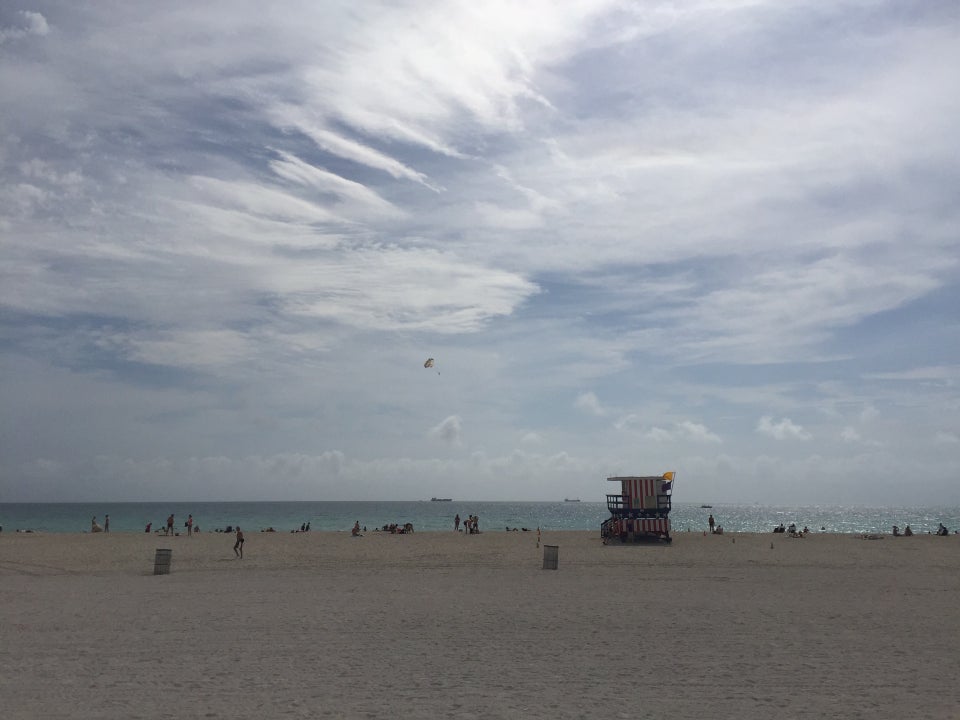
<point>706,506</point>
<point>436,499</point>
<point>571,499</point>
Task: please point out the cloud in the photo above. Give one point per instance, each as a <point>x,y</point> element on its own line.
<point>550,197</point>
<point>947,374</point>
<point>33,24</point>
<point>347,191</point>
<point>659,435</point>
<point>683,431</point>
<point>348,149</point>
<point>849,434</point>
<point>589,403</point>
<point>449,431</point>
<point>784,429</point>
<point>852,436</point>
<point>697,432</point>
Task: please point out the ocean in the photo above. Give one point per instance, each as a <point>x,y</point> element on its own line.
<point>438,516</point>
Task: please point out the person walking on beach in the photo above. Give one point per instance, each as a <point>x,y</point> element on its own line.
<point>456,523</point>
<point>189,525</point>
<point>238,546</point>
<point>712,522</point>
<point>106,523</point>
<point>170,525</point>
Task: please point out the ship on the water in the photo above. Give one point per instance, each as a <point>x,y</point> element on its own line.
<point>435,499</point>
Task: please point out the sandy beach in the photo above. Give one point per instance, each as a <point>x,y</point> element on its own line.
<point>446,625</point>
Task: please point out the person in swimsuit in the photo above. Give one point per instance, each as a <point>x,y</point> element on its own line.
<point>238,546</point>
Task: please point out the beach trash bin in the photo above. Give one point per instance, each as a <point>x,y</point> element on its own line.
<point>161,562</point>
<point>551,554</point>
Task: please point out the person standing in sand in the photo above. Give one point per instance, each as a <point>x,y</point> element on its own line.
<point>456,523</point>
<point>712,522</point>
<point>106,523</point>
<point>170,524</point>
<point>189,525</point>
<point>238,546</point>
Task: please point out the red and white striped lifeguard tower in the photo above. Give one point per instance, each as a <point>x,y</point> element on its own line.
<point>640,511</point>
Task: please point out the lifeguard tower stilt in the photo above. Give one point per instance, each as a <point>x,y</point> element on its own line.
<point>640,512</point>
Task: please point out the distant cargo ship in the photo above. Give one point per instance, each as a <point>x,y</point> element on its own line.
<point>441,499</point>
<point>571,499</point>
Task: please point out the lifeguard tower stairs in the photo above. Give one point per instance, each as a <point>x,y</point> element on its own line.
<point>640,512</point>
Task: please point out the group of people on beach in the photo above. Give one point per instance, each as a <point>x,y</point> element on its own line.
<point>471,524</point>
<point>792,530</point>
<point>168,529</point>
<point>95,527</point>
<point>907,532</point>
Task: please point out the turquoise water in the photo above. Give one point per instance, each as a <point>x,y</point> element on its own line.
<point>434,516</point>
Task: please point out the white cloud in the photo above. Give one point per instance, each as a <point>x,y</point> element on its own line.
<point>784,429</point>
<point>348,149</point>
<point>658,434</point>
<point>366,201</point>
<point>449,431</point>
<point>589,403</point>
<point>948,374</point>
<point>850,435</point>
<point>199,348</point>
<point>33,24</point>
<point>519,188</point>
<point>697,432</point>
<point>683,431</point>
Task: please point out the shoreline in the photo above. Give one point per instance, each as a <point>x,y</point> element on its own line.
<point>133,553</point>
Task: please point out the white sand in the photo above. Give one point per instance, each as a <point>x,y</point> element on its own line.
<point>444,625</point>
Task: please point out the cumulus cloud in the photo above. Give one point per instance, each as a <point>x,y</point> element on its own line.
<point>849,434</point>
<point>658,434</point>
<point>685,430</point>
<point>784,429</point>
<point>449,431</point>
<point>697,432</point>
<point>33,23</point>
<point>589,403</point>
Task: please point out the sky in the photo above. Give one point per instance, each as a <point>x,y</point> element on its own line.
<point>713,237</point>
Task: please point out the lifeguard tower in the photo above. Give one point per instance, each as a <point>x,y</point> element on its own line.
<point>640,511</point>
